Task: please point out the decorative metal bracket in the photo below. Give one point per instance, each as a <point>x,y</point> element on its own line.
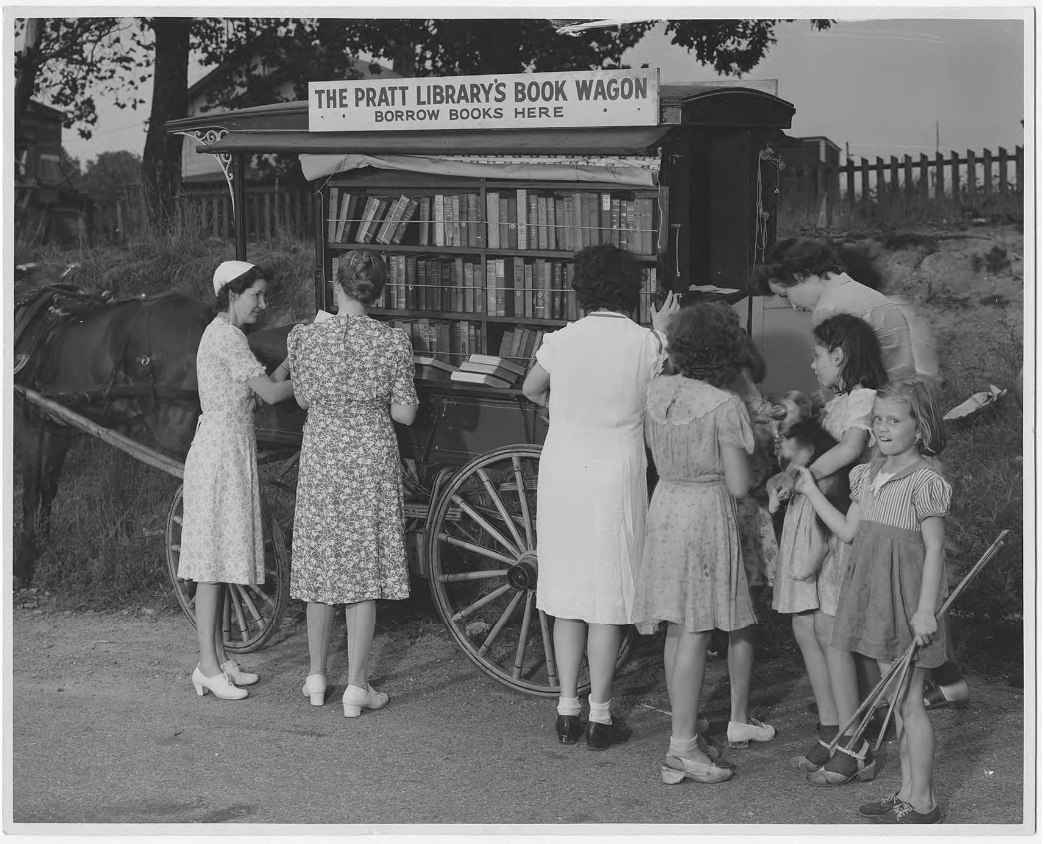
<point>211,135</point>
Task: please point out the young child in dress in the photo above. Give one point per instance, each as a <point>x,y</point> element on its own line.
<point>895,582</point>
<point>692,574</point>
<point>847,361</point>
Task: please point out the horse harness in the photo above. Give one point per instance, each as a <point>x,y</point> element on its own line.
<point>48,308</point>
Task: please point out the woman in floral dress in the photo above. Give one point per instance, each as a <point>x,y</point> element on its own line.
<point>355,376</point>
<point>221,540</point>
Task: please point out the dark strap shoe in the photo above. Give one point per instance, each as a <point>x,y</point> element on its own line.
<point>600,736</point>
<point>569,729</point>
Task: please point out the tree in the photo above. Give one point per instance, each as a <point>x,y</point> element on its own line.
<point>108,176</point>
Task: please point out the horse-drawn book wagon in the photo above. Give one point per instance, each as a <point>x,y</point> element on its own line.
<point>479,223</point>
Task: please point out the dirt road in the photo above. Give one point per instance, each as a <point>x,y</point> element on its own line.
<point>107,729</point>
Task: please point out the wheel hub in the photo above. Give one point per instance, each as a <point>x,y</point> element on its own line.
<point>523,575</point>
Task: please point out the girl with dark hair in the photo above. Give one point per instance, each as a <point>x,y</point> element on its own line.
<point>592,491</point>
<point>895,581</point>
<point>847,361</point>
<point>355,377</point>
<point>692,574</point>
<point>221,539</point>
<point>813,275</point>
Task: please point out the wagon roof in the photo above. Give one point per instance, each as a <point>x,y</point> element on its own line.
<point>283,127</point>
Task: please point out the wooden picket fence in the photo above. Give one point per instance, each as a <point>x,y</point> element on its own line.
<point>273,210</point>
<point>988,180</point>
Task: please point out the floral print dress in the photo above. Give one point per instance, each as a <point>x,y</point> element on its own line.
<point>348,528</point>
<point>221,538</point>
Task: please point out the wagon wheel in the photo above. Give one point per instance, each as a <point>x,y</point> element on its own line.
<point>483,571</point>
<point>252,614</point>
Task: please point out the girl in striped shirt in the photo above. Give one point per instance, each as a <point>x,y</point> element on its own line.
<point>895,581</point>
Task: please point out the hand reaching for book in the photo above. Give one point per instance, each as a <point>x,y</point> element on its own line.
<point>662,318</point>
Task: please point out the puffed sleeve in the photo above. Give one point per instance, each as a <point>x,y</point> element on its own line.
<point>238,359</point>
<point>859,410</point>
<point>855,480</point>
<point>404,391</point>
<point>545,355</point>
<point>931,496</point>
<point>734,425</point>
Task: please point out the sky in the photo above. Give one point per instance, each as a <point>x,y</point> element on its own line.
<point>879,86</point>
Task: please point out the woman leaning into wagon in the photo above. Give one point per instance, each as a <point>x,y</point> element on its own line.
<point>592,491</point>
<point>355,376</point>
<point>221,540</point>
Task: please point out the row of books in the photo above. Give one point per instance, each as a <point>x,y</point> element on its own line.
<point>521,220</point>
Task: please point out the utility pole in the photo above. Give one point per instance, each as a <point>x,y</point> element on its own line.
<point>936,137</point>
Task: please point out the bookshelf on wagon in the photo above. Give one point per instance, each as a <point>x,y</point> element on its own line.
<point>481,267</point>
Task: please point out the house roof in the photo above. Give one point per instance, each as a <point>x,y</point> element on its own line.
<point>220,73</point>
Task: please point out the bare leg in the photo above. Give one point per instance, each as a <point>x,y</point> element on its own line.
<point>219,632</point>
<point>841,668</point>
<point>603,647</point>
<point>917,744</point>
<point>741,667</point>
<point>319,618</point>
<point>360,619</point>
<point>570,637</point>
<point>208,611</point>
<point>685,677</point>
<point>815,666</point>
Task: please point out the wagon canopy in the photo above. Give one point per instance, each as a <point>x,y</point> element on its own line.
<point>626,155</point>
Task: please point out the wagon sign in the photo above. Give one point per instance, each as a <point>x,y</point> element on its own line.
<point>524,100</point>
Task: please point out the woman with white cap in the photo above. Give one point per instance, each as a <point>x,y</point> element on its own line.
<point>221,539</point>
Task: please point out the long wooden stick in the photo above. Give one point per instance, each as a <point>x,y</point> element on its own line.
<point>113,438</point>
<point>903,664</point>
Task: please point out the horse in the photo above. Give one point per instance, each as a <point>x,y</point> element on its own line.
<point>126,364</point>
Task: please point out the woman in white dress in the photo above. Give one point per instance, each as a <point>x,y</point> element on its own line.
<point>592,492</point>
<point>221,540</point>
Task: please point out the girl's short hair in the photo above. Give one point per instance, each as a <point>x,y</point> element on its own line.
<point>862,366</point>
<point>704,344</point>
<point>791,260</point>
<point>362,276</point>
<point>605,276</point>
<point>238,285</point>
<point>924,408</point>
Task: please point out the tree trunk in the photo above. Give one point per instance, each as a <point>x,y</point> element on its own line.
<point>27,66</point>
<point>161,163</point>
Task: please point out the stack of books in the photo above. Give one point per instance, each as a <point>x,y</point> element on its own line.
<point>490,370</point>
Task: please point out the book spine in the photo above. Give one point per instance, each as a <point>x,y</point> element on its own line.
<point>501,282</point>
<point>605,214</point>
<point>572,310</point>
<point>438,209</point>
<point>567,222</point>
<point>512,218</point>
<point>505,228</point>
<point>424,236</point>
<point>560,222</point>
<point>523,306</point>
<point>532,222</point>
<point>473,216</point>
<point>407,215</point>
<point>491,287</point>
<point>614,222</point>
<point>332,220</point>
<point>542,222</point>
<point>451,217</point>
<point>578,224</point>
<point>458,284</point>
<point>527,286</point>
<point>533,284</point>
<point>493,219</point>
<point>521,209</point>
<point>446,287</point>
<point>557,311</point>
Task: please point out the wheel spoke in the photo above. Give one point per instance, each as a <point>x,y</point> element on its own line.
<point>501,508</point>
<point>520,483</point>
<point>472,575</point>
<point>234,601</point>
<point>481,602</point>
<point>477,549</point>
<point>486,526</point>
<point>549,653</point>
<point>523,636</point>
<point>501,623</point>
<point>245,598</point>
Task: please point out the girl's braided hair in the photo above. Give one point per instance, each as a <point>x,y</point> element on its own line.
<point>706,344</point>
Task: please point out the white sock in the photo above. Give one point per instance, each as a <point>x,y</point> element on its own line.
<point>600,712</point>
<point>683,748</point>
<point>569,706</point>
